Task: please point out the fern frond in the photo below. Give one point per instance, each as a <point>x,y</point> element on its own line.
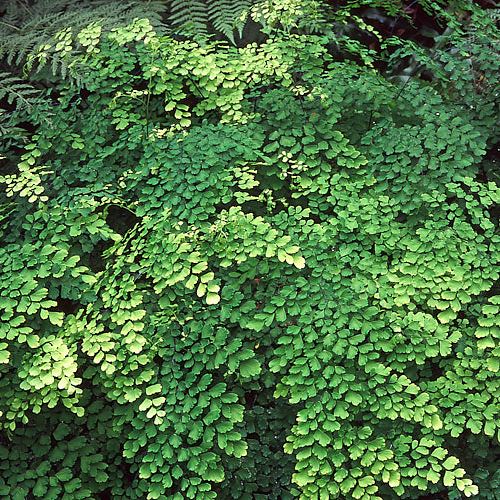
<point>23,98</point>
<point>189,14</point>
<point>17,92</point>
<point>11,134</point>
<point>225,15</point>
<point>206,16</point>
<point>7,128</point>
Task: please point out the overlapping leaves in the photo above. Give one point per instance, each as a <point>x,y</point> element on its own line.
<point>235,253</point>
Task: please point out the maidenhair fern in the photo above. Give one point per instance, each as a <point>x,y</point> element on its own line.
<point>306,15</point>
<point>261,272</point>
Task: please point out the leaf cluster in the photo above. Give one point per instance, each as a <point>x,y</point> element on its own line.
<point>256,272</point>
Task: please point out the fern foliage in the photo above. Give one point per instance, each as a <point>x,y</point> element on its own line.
<point>46,28</point>
<point>258,272</point>
<point>190,13</point>
<point>225,16</point>
<point>16,92</point>
<point>18,99</point>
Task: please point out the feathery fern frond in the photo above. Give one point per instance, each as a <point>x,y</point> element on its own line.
<point>19,102</point>
<point>10,133</point>
<point>224,16</point>
<point>17,92</point>
<point>189,14</point>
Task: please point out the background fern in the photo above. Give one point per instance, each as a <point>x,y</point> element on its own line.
<point>16,92</point>
<point>190,14</point>
<point>17,98</point>
<point>225,15</point>
<point>203,16</point>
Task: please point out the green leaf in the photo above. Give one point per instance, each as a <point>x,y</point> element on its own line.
<point>153,389</point>
<point>40,488</point>
<point>4,357</point>
<point>215,475</point>
<point>353,398</point>
<point>299,262</point>
<point>56,318</point>
<point>212,298</point>
<point>62,430</point>
<point>250,368</point>
<point>448,479</point>
<point>32,340</point>
<point>198,268</point>
<point>302,478</point>
<point>447,315</point>
<point>255,324</point>
<point>493,364</point>
<point>240,449</point>
<point>450,463</point>
<point>433,476</point>
<point>64,474</point>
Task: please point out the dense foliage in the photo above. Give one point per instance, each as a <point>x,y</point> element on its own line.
<point>257,272</point>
